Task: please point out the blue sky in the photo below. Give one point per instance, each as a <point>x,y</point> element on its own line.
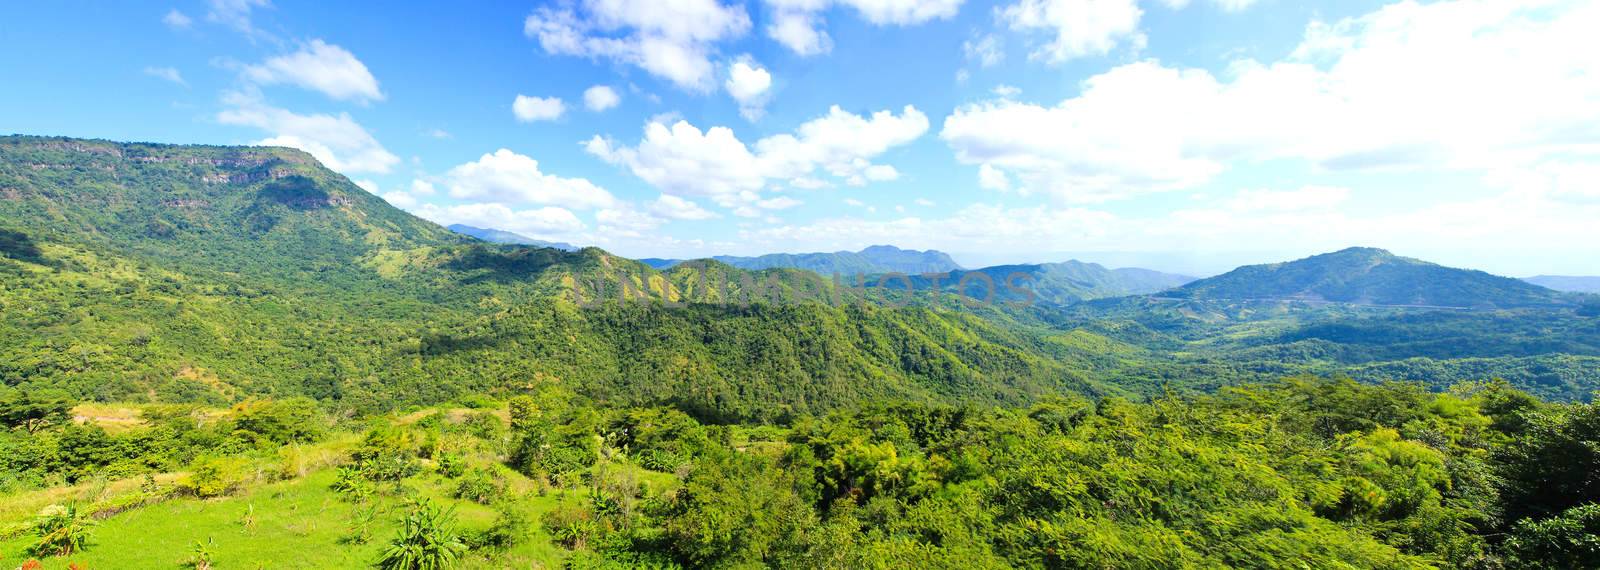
<point>1187,136</point>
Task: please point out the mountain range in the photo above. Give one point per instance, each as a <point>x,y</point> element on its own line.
<point>505,237</point>
<point>212,274</point>
<point>872,260</point>
<point>1572,284</point>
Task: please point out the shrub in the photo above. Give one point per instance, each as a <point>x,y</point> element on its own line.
<point>451,465</point>
<point>510,527</point>
<point>427,540</point>
<point>352,484</point>
<point>387,454</point>
<point>215,476</point>
<point>62,529</point>
<point>481,486</point>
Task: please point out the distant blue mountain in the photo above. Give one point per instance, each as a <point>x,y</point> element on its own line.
<point>502,236</point>
<point>1571,284</point>
<point>875,259</point>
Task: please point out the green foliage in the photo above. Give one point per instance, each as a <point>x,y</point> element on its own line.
<point>62,531</point>
<point>387,454</point>
<point>295,420</point>
<point>427,541</point>
<point>215,476</point>
<point>481,486</point>
<point>1571,540</point>
<point>511,527</point>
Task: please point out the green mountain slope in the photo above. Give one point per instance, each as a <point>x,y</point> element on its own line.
<point>1368,276</point>
<point>1050,283</point>
<point>187,273</point>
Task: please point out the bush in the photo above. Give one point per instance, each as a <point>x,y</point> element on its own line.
<point>62,529</point>
<point>451,465</point>
<point>215,476</point>
<point>296,420</point>
<point>510,527</point>
<point>427,540</point>
<point>481,486</point>
<point>387,454</point>
<point>352,484</point>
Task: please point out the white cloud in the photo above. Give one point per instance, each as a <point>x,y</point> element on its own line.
<point>986,50</point>
<point>1005,91</point>
<point>749,83</point>
<point>673,40</point>
<point>924,202</point>
<point>991,178</point>
<point>439,134</point>
<point>1225,5</point>
<point>422,188</point>
<point>676,208</point>
<point>236,14</point>
<point>322,67</point>
<point>854,202</point>
<point>368,185</point>
<point>1408,86</point>
<point>683,160</point>
<point>177,20</point>
<point>167,73</point>
<point>1081,27</point>
<point>1306,198</point>
<point>778,203</point>
<point>797,24</point>
<point>336,140</point>
<point>401,200</point>
<point>508,177</point>
<point>600,98</point>
<point>529,109</point>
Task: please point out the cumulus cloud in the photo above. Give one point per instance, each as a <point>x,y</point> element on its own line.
<point>1406,86</point>
<point>797,24</point>
<point>529,109</point>
<point>167,73</point>
<point>749,84</point>
<point>322,67</point>
<point>336,140</point>
<point>684,160</point>
<point>600,98</point>
<point>1081,27</point>
<point>504,176</point>
<point>676,208</point>
<point>670,40</point>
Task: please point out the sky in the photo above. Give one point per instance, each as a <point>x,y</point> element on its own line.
<point>1183,135</point>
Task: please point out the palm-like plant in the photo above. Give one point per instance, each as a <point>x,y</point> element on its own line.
<point>427,540</point>
<point>62,531</point>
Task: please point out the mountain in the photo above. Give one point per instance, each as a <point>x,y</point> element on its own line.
<point>140,272</point>
<point>874,259</point>
<point>1567,283</point>
<point>505,237</point>
<point>1051,283</point>
<point>1369,276</point>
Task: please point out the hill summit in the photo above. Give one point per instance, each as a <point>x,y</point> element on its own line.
<point>1370,276</point>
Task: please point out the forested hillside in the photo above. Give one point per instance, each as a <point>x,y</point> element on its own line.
<point>137,272</point>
